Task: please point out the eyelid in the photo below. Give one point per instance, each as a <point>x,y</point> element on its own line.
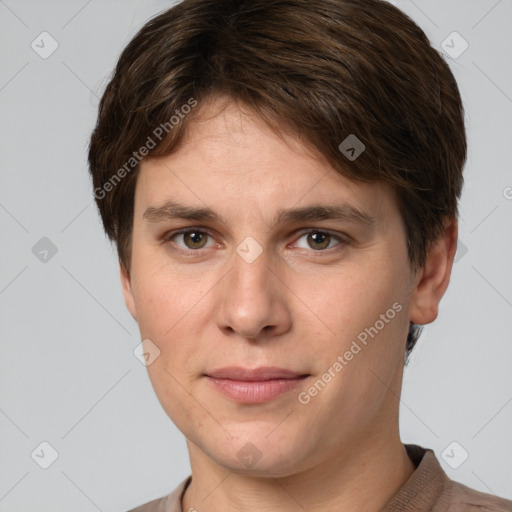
<point>341,238</point>
<point>168,236</point>
<point>171,234</point>
<point>336,234</point>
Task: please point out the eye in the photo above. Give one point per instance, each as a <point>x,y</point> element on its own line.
<point>319,240</point>
<point>192,238</point>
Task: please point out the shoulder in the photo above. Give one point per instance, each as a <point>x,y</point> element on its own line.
<point>157,505</point>
<point>430,489</point>
<point>169,503</point>
<point>459,497</point>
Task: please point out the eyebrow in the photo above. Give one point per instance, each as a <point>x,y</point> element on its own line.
<point>172,210</point>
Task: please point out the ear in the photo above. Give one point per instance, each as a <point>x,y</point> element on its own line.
<point>126,283</point>
<point>432,280</point>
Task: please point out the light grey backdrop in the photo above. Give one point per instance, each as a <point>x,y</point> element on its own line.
<point>68,376</point>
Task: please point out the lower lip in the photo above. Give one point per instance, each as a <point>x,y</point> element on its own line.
<point>254,392</point>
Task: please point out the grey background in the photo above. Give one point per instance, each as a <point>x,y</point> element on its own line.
<point>68,375</point>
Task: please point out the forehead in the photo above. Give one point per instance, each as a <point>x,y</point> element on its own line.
<point>232,134</point>
<point>231,158</point>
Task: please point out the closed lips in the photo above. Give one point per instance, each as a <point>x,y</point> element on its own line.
<point>254,374</point>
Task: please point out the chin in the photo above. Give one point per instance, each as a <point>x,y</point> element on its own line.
<point>257,456</point>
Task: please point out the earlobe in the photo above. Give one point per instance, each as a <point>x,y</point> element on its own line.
<point>432,280</point>
<point>127,290</point>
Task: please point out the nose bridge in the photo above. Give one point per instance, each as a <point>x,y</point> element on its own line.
<point>251,299</point>
<point>250,274</point>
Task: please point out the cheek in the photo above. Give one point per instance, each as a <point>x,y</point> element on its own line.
<point>162,294</point>
<point>344,303</point>
<point>170,312</point>
<point>366,311</point>
<point>176,397</point>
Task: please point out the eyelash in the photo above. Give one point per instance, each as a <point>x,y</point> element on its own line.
<point>342,240</point>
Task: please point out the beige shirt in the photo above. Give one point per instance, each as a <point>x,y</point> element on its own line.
<point>427,489</point>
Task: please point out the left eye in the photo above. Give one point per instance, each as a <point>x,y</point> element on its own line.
<point>319,240</point>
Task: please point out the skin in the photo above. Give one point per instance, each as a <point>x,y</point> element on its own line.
<point>298,305</point>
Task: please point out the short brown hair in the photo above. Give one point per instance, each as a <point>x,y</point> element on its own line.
<point>328,69</point>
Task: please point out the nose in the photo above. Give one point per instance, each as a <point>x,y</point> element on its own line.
<point>254,299</point>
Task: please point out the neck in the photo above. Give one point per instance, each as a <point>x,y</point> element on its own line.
<point>350,480</point>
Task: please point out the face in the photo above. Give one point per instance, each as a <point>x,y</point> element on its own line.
<point>249,251</point>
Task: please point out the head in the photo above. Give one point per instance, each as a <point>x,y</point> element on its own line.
<point>317,151</point>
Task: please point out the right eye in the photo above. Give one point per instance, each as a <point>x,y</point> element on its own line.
<point>192,239</point>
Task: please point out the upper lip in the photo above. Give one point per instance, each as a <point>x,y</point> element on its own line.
<point>254,374</point>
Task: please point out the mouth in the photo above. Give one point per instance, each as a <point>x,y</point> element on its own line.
<point>256,385</point>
